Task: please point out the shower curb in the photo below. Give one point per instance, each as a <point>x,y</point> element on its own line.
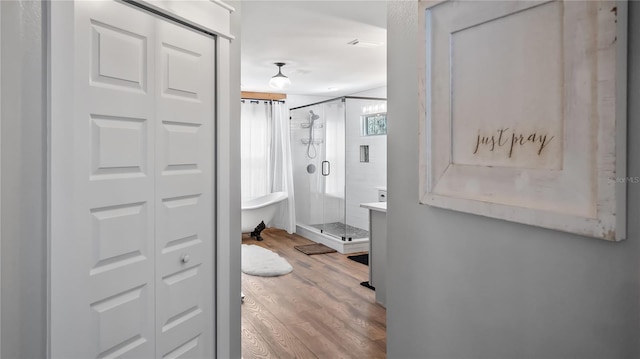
<point>357,245</point>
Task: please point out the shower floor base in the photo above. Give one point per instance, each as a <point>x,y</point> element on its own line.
<point>339,229</point>
<point>344,247</point>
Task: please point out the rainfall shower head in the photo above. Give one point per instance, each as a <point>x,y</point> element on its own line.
<point>314,116</point>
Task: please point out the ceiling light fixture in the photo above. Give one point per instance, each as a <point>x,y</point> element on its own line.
<point>279,81</point>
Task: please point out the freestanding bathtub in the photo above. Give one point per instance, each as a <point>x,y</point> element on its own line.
<point>260,209</point>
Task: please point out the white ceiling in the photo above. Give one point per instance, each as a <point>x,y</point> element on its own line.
<point>311,38</point>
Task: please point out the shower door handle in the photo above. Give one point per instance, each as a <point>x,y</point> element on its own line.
<point>326,168</point>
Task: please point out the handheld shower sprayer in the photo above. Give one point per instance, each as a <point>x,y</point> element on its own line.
<point>311,147</point>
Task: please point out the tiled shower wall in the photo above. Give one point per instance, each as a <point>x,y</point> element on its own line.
<point>363,178</point>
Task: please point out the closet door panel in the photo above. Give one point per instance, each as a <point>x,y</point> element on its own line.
<point>119,106</point>
<point>102,287</point>
<point>118,57</point>
<point>184,202</point>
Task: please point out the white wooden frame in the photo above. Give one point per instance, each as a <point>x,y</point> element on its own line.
<point>581,187</point>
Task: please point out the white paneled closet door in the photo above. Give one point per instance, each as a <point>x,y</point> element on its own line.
<point>134,276</point>
<point>184,192</point>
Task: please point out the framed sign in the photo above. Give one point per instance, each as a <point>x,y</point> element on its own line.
<point>524,112</point>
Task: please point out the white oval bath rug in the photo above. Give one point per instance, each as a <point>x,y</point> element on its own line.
<point>262,262</point>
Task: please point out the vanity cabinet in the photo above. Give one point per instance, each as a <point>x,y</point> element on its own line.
<point>378,248</point>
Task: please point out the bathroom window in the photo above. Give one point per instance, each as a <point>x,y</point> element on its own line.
<point>374,125</point>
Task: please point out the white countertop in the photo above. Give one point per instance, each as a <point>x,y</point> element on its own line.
<point>375,206</point>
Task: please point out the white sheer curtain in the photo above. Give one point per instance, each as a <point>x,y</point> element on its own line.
<point>266,156</point>
<point>255,139</point>
<point>282,175</point>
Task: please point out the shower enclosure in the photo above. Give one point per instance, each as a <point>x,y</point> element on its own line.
<point>339,161</point>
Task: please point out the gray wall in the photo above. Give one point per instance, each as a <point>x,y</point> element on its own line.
<point>23,182</point>
<point>466,286</point>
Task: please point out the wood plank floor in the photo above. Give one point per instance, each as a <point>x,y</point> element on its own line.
<point>320,310</point>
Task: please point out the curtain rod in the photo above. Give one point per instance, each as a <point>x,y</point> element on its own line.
<point>262,95</point>
<point>253,100</point>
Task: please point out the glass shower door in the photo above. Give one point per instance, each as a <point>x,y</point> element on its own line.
<point>333,170</point>
<point>313,140</point>
<point>308,125</point>
<point>319,166</point>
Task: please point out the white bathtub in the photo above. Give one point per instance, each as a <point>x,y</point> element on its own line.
<point>260,209</point>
